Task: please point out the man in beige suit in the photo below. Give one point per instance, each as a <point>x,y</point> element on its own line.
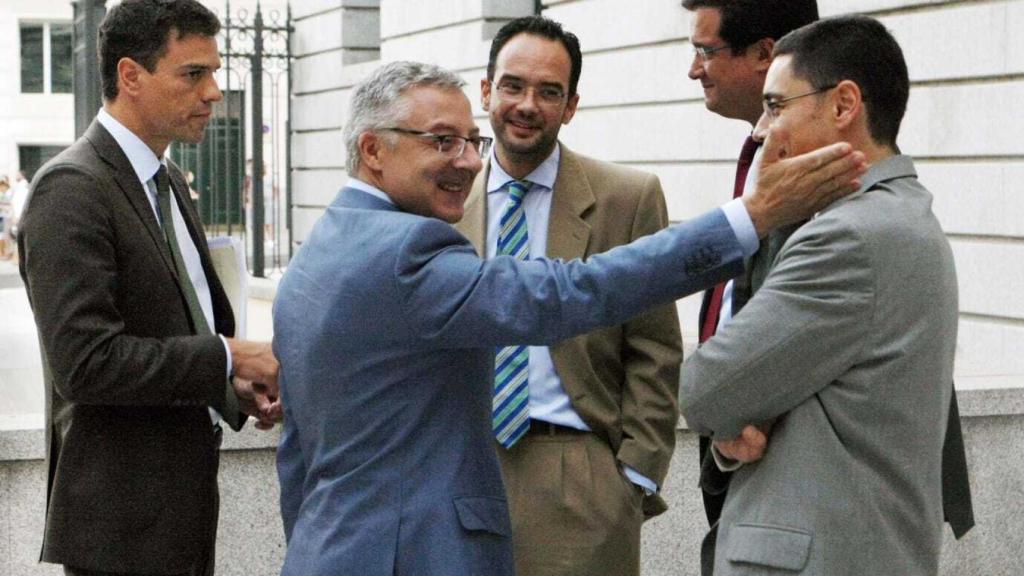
<point>601,410</point>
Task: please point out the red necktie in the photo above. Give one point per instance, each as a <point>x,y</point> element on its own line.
<point>707,329</point>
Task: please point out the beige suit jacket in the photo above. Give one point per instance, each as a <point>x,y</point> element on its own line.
<point>623,381</point>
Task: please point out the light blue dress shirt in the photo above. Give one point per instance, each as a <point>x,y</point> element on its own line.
<point>548,400</point>
<point>145,164</point>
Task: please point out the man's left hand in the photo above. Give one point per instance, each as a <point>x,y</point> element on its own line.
<point>266,409</point>
<point>748,447</point>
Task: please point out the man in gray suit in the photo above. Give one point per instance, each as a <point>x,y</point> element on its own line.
<point>848,346</point>
<point>387,320</point>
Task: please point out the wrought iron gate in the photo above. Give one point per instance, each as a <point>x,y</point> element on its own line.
<point>240,173</point>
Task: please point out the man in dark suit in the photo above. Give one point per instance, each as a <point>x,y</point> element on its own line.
<point>135,328</point>
<point>733,42</point>
<point>611,393</point>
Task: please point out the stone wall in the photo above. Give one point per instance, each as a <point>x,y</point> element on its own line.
<point>251,541</point>
<point>637,107</point>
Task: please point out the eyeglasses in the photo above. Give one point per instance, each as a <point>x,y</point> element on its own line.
<point>451,145</point>
<point>773,105</point>
<point>705,53</point>
<point>515,91</point>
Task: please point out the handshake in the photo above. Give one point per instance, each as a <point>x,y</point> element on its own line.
<point>255,381</point>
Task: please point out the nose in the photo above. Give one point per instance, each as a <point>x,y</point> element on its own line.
<point>761,129</point>
<point>212,92</point>
<point>528,103</point>
<point>469,160</point>
<point>696,68</point>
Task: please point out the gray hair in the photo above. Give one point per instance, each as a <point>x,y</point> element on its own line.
<point>377,101</point>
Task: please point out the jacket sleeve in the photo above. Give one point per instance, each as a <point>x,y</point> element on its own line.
<point>291,472</point>
<point>76,272</point>
<point>453,298</point>
<point>800,332</point>
<point>651,355</point>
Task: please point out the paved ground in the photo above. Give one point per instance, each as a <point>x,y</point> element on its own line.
<point>9,274</point>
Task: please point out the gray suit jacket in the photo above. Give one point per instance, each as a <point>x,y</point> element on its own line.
<point>386,325</point>
<point>849,344</point>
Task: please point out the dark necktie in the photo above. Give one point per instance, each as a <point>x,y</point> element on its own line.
<point>163,197</point>
<point>707,329</point>
<point>229,411</point>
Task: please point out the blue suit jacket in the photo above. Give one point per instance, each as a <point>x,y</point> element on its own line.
<point>386,325</point>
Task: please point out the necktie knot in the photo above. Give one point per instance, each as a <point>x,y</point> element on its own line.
<point>163,187</point>
<point>517,189</point>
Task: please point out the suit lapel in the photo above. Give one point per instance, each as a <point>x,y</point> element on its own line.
<point>568,232</point>
<point>474,218</point>
<point>128,181</point>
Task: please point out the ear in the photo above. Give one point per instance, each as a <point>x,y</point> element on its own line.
<point>763,51</point>
<point>485,94</point>
<point>371,145</point>
<point>570,108</point>
<point>848,104</point>
<point>129,76</point>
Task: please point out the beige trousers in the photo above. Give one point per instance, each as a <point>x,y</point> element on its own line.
<point>574,512</point>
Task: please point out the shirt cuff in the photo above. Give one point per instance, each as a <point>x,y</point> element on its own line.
<point>724,464</point>
<point>227,354</point>
<point>640,480</point>
<point>742,226</point>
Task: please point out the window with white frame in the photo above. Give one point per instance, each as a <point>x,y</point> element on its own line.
<point>46,58</point>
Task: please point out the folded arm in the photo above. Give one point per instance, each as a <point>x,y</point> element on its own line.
<point>801,331</point>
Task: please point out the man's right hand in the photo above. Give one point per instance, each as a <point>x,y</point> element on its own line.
<point>255,362</point>
<point>793,189</point>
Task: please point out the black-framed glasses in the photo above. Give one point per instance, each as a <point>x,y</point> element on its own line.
<point>516,91</point>
<point>451,145</point>
<point>705,53</point>
<point>773,105</point>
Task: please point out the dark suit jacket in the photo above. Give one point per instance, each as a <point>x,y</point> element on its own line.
<point>621,380</point>
<point>131,457</point>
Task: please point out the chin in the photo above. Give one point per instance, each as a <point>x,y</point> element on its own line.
<point>191,138</point>
<point>450,217</point>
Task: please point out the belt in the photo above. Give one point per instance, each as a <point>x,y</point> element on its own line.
<point>543,428</point>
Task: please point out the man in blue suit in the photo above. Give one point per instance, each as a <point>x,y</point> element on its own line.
<point>386,325</point>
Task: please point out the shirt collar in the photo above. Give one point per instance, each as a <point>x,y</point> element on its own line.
<point>143,161</point>
<point>369,189</point>
<point>543,175</point>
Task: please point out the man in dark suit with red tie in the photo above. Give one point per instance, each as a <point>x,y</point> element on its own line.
<point>732,42</point>
<point>135,328</point>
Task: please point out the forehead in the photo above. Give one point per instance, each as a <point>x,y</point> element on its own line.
<point>428,107</point>
<point>705,25</point>
<point>780,76</point>
<point>192,50</point>
<point>533,57</point>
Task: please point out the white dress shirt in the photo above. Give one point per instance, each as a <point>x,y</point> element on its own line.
<point>145,164</point>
